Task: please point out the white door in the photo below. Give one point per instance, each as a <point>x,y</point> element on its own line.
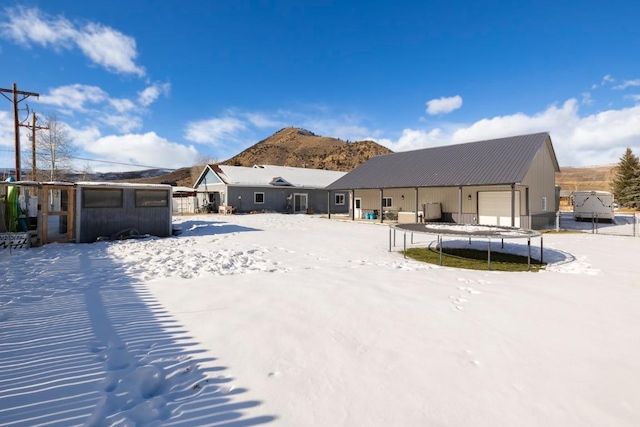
<point>494,208</point>
<point>300,202</point>
<point>357,208</point>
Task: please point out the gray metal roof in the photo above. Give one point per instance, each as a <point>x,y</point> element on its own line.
<point>490,162</point>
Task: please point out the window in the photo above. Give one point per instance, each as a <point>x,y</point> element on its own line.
<point>152,198</point>
<point>101,198</point>
<point>544,204</point>
<point>258,198</point>
<point>387,202</point>
<point>340,199</point>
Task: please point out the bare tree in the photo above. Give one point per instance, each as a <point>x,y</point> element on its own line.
<point>54,151</point>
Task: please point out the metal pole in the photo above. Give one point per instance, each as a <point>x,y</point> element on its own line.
<point>528,253</point>
<point>412,238</point>
<point>440,245</point>
<point>489,255</point>
<point>389,239</point>
<point>394,237</point>
<point>33,148</point>
<point>541,251</point>
<point>558,221</point>
<point>16,129</point>
<point>405,245</point>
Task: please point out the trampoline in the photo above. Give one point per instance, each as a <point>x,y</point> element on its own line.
<point>467,231</point>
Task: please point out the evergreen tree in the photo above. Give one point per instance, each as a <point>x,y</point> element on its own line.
<point>627,181</point>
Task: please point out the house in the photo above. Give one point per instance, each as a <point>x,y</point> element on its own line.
<point>268,188</point>
<point>84,212</point>
<point>506,181</point>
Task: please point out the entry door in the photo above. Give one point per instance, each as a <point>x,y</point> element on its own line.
<point>494,208</point>
<point>357,207</point>
<point>300,202</point>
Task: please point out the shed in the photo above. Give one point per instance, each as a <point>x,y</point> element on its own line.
<point>85,211</point>
<point>507,181</point>
<point>107,209</point>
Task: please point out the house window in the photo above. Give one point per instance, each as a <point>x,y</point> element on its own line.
<point>152,198</point>
<point>101,198</point>
<point>387,202</point>
<point>258,198</point>
<point>544,204</point>
<point>340,199</point>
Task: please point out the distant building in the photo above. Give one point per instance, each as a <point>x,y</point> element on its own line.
<point>268,188</point>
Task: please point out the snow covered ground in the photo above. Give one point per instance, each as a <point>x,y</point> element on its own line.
<point>296,320</point>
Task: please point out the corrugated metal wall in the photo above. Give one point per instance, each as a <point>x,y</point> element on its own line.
<point>97,222</point>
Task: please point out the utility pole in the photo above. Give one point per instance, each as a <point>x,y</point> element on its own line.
<point>33,128</point>
<point>16,121</point>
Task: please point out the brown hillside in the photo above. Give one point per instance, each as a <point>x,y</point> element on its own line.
<point>586,178</point>
<point>301,148</point>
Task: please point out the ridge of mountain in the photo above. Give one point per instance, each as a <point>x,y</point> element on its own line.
<point>297,147</point>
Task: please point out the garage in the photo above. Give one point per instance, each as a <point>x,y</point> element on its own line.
<point>494,208</point>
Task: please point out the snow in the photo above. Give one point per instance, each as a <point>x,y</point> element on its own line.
<point>296,320</point>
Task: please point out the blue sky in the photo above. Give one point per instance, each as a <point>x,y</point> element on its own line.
<point>165,83</point>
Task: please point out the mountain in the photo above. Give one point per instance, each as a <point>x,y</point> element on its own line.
<point>586,178</point>
<point>301,148</point>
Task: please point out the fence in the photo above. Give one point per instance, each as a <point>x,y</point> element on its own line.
<point>622,224</point>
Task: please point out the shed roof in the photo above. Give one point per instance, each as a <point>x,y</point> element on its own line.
<point>267,175</point>
<point>489,162</point>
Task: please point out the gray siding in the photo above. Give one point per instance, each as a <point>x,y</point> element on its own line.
<point>96,222</point>
<point>275,199</point>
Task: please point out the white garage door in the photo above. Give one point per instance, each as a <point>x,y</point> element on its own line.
<point>494,208</point>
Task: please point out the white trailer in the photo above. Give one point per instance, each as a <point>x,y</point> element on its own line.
<point>593,205</point>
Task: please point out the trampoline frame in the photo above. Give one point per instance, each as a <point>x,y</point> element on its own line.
<point>468,231</point>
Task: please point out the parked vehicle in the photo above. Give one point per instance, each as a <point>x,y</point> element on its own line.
<point>593,205</point>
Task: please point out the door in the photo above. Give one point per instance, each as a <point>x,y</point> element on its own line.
<point>494,208</point>
<point>299,202</point>
<point>357,207</point>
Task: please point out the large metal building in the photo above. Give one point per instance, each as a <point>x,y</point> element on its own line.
<point>506,181</point>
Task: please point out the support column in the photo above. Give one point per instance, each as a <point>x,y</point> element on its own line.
<point>416,196</point>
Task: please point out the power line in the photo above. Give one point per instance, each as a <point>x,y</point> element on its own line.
<point>110,162</point>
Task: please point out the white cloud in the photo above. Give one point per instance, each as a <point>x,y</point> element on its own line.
<point>214,131</point>
<point>123,123</point>
<point>149,95</point>
<point>587,99</point>
<point>74,96</point>
<point>261,120</point>
<point>146,149</point>
<point>105,46</point>
<point>628,83</point>
<point>444,105</point>
<point>633,97</point>
<point>122,105</point>
<point>595,139</point>
<point>119,113</point>
<point>607,79</point>
<point>7,137</point>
